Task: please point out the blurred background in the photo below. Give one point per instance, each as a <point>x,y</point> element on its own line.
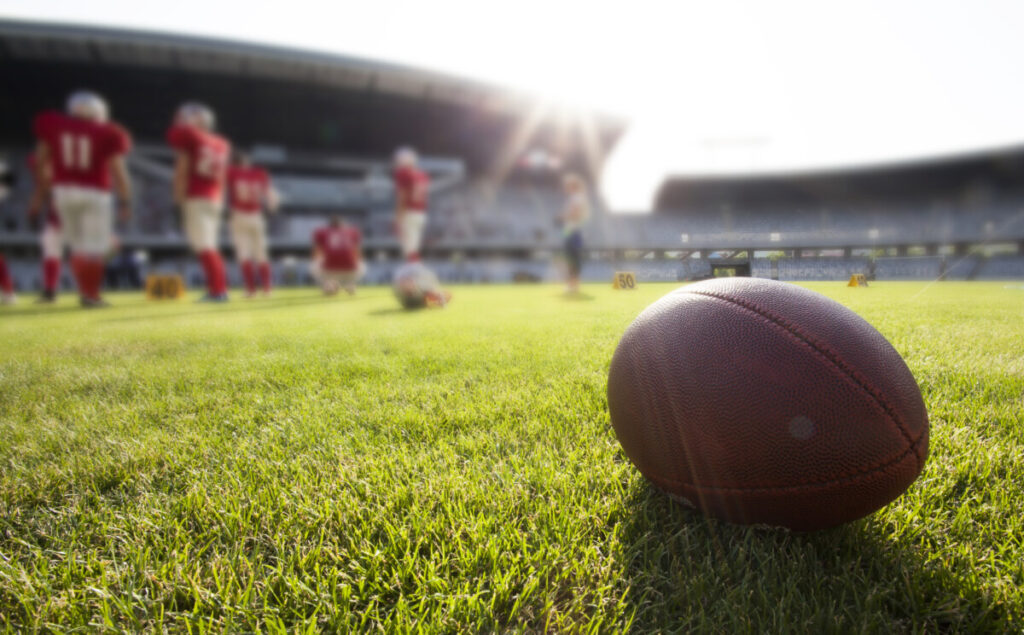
<point>717,139</point>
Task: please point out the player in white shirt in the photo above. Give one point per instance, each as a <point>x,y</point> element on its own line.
<point>573,217</point>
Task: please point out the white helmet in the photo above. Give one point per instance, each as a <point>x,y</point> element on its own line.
<point>193,113</point>
<point>412,283</point>
<point>405,157</point>
<point>86,104</point>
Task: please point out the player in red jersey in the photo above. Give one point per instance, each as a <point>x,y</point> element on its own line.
<point>85,156</point>
<point>249,193</point>
<point>200,169</point>
<point>41,204</point>
<point>337,256</point>
<point>412,186</point>
<point>6,284</point>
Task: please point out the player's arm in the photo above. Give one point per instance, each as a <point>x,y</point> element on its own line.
<point>401,191</point>
<point>181,168</point>
<point>573,212</point>
<point>271,197</point>
<point>359,249</point>
<point>122,187</point>
<point>400,200</point>
<point>400,206</point>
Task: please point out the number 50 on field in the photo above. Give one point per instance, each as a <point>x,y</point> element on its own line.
<point>624,280</point>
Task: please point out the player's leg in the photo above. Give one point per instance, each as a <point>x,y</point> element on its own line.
<point>50,242</point>
<point>193,232</point>
<point>70,207</point>
<point>316,272</point>
<point>330,281</point>
<point>6,283</point>
<point>95,225</point>
<point>242,240</point>
<point>411,235</point>
<point>212,216</point>
<point>348,280</point>
<point>260,249</point>
<point>574,260</point>
<point>201,224</point>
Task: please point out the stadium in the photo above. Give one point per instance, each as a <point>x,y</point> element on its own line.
<point>957,218</point>
<point>342,465</point>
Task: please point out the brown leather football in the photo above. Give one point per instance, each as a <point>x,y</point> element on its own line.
<point>763,402</point>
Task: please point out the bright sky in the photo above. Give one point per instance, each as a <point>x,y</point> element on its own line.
<point>708,86</point>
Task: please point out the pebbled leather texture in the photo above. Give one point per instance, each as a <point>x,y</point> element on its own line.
<point>763,402</point>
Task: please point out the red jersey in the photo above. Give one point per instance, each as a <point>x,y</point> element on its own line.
<point>48,209</point>
<point>247,188</point>
<point>414,186</point>
<point>207,160</point>
<point>80,150</point>
<point>339,247</point>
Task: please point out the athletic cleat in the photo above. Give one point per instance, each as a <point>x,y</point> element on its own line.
<point>7,299</point>
<point>438,299</point>
<point>223,297</point>
<point>47,297</point>
<point>93,303</point>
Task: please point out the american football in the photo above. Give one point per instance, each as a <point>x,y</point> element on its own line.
<point>511,317</point>
<point>762,402</point>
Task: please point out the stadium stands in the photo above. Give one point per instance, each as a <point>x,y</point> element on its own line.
<point>491,219</point>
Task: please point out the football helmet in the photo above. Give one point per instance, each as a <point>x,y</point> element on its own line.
<point>193,113</point>
<point>416,287</point>
<point>405,157</point>
<point>86,104</point>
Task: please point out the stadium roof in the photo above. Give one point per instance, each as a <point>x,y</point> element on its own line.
<point>934,178</point>
<point>41,61</point>
<point>104,46</point>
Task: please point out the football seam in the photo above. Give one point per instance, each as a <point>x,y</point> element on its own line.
<point>828,354</point>
<point>803,486</point>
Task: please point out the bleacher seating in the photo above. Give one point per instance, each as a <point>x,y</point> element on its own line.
<point>1002,268</point>
<point>493,220</point>
<point>913,268</point>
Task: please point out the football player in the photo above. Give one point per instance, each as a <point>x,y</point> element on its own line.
<point>412,186</point>
<point>249,193</point>
<point>6,284</point>
<point>573,217</point>
<point>85,155</point>
<point>337,256</point>
<point>200,168</point>
<point>41,204</point>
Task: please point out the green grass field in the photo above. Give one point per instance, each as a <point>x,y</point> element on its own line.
<point>302,463</point>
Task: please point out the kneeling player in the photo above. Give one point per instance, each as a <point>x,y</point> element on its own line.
<point>85,154</point>
<point>337,256</point>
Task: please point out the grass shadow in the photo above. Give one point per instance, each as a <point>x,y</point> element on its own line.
<point>238,306</point>
<point>43,309</point>
<point>682,571</point>
<point>395,311</point>
<point>575,297</point>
